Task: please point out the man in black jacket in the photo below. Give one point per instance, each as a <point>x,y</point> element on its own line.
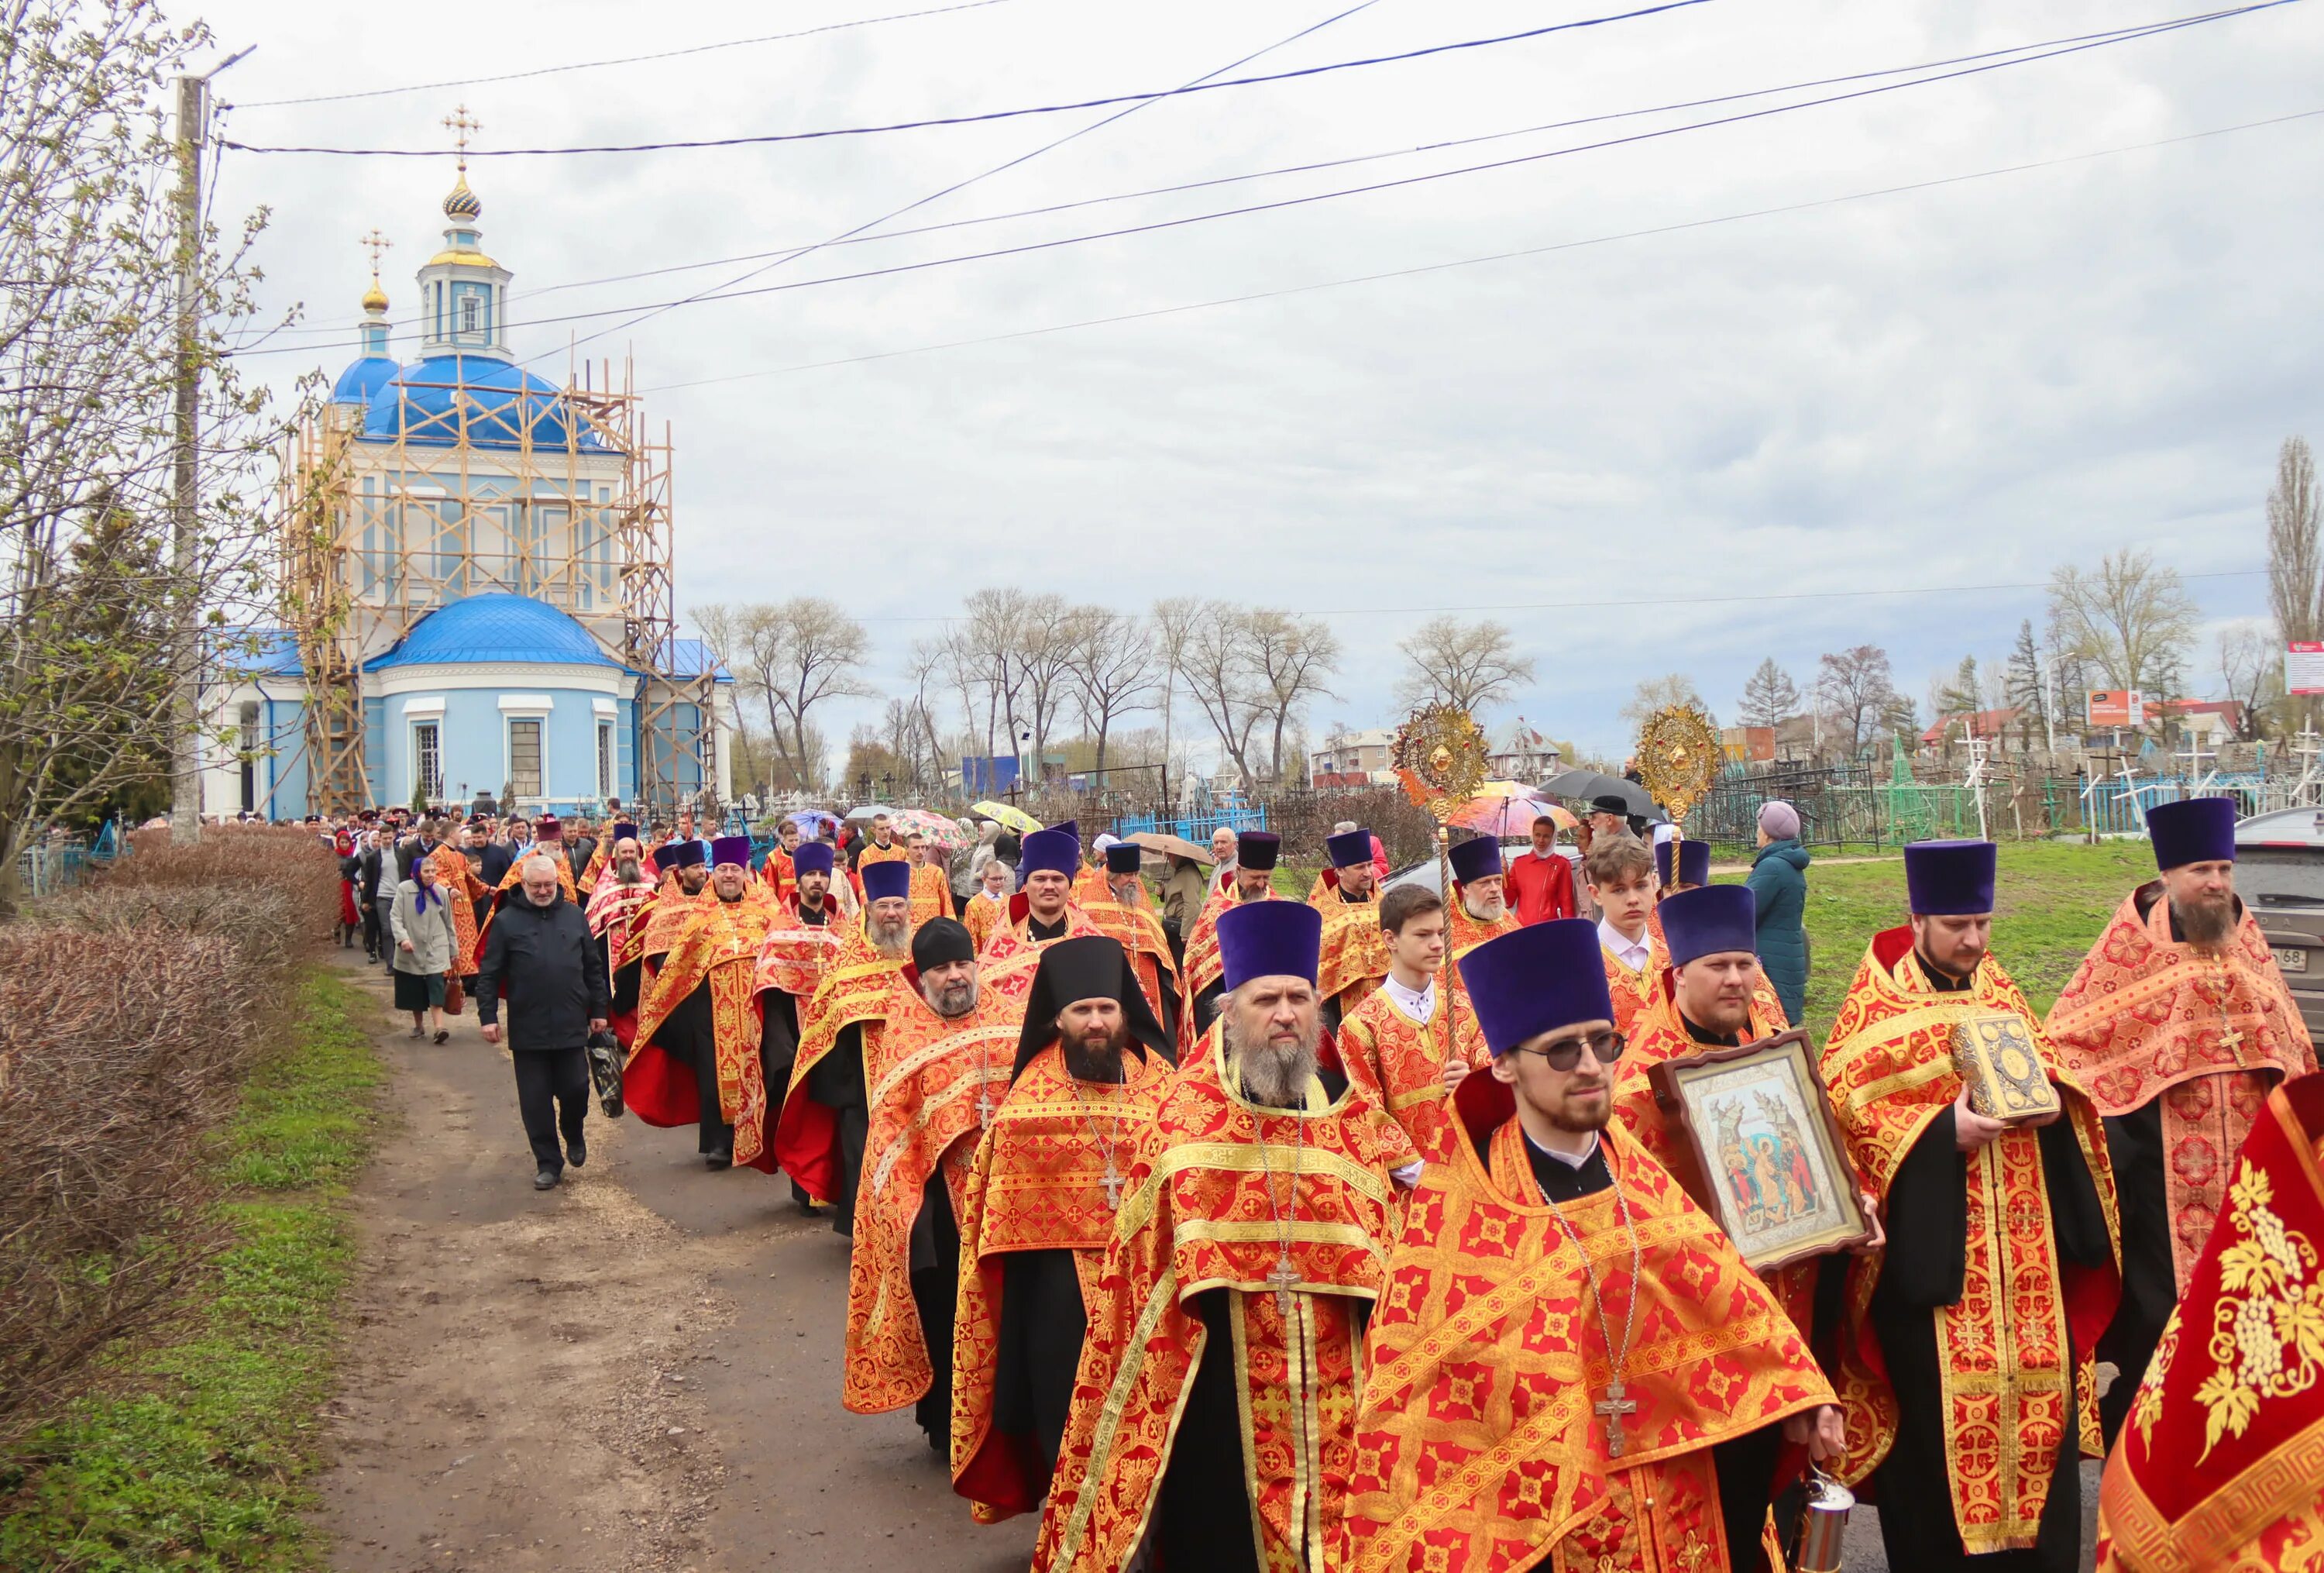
<point>372,861</point>
<point>539,958</point>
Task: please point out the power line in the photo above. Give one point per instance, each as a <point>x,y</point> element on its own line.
<point>1531,251</point>
<point>1198,87</point>
<point>667,54</point>
<point>785,253</point>
<point>1621,602</point>
<point>972,180</point>
<point>729,293</point>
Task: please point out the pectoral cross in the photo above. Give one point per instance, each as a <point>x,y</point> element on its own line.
<point>1611,1409</point>
<point>1112,1183</point>
<point>983,1104</point>
<point>2232,1039</point>
<point>1284,1277</point>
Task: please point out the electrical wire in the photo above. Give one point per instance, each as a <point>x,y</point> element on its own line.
<point>1533,251</point>
<point>960,185</point>
<point>667,54</point>
<point>785,253</point>
<point>1196,87</point>
<point>1156,225</point>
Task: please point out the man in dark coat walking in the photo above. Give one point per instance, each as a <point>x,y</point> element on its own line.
<point>539,958</point>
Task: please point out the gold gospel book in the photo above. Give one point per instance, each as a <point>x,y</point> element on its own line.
<point>1995,1057</point>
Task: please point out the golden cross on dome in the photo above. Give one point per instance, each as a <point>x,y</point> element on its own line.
<point>375,243</point>
<point>460,122</point>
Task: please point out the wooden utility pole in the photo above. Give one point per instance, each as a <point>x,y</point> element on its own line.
<point>185,718</point>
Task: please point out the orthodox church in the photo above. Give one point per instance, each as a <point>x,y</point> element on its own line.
<point>478,579</point>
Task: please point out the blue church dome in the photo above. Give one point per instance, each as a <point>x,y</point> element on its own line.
<point>362,378</point>
<point>495,627</point>
<point>506,401</point>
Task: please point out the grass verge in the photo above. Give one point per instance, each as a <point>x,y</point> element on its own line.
<point>198,1456</point>
<point>2051,901</point>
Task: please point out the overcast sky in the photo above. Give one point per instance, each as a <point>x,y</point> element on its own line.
<point>1959,385</point>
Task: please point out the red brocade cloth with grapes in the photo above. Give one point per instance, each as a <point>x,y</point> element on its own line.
<point>2208,1032</point>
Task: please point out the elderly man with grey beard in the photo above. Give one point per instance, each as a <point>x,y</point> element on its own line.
<point>937,1064</point>
<point>1219,1377</point>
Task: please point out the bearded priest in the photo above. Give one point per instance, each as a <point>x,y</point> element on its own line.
<point>1219,1377</point>
<point>2180,1024</point>
<point>1251,879</point>
<point>936,1066</point>
<point>1480,909</point>
<point>1093,1064</point>
<point>2000,1273</point>
<point>1123,913</point>
<point>1573,1368</point>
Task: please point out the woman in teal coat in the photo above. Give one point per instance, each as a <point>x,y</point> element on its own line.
<point>1779,890</point>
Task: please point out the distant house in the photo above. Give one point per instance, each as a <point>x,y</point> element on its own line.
<point>1523,755</point>
<point>2212,721</point>
<point>1998,727</point>
<point>1353,759</point>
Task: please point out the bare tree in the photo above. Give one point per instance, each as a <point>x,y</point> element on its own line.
<point>1469,665</point>
<point>2295,559</point>
<point>992,627</point>
<point>793,655</point>
<point>1853,688</point>
<point>1113,671</point>
<point>1174,620</point>
<point>1042,658</point>
<point>2022,688</point>
<point>2130,619</point>
<point>1769,696</point>
<point>1293,659</point>
<point>1654,693</point>
<point>1219,676</point>
<point>2251,665</point>
<point>97,595</point>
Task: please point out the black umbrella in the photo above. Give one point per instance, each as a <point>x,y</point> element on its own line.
<point>1593,783</point>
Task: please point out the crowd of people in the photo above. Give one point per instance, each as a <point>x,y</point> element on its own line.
<point>1229,1229</point>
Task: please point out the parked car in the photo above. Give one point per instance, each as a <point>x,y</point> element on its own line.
<point>2280,874</point>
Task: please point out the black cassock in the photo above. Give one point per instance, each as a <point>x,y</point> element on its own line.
<point>935,1262</point>
<point>779,1042</point>
<point>1924,1269</point>
<point>1042,1326</point>
<point>689,1035</point>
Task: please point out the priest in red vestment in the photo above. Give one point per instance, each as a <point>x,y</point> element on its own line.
<point>1411,1042</point>
<point>1092,1066</point>
<point>1478,909</point>
<point>1042,912</point>
<point>2178,1024</point>
<point>1572,1368</point>
<point>618,901</point>
<point>1251,879</point>
<point>1217,1385</point>
<point>1354,956</point>
<point>1124,914</point>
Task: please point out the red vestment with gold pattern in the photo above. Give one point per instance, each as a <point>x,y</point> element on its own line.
<point>458,878</point>
<point>2220,1464</point>
<point>1353,955</point>
<point>853,991</point>
<point>717,952</point>
<point>1006,964</point>
<point>2207,1032</point>
<point>2015,1353</point>
<point>934,1084</point>
<point>1400,1062</point>
<point>1477,1446</point>
<point>1047,1176</point>
<point>1294,1265</point>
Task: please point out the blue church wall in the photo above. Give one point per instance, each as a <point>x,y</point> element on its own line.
<point>282,773</point>
<point>476,742</point>
<point>374,713</point>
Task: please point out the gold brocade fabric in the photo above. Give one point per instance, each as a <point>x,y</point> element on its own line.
<point>854,988</point>
<point>1089,885</point>
<point>2220,1464</point>
<point>452,871</point>
<point>1010,957</point>
<point>1477,1446</point>
<point>666,919</point>
<point>1352,956</point>
<point>1037,1182</point>
<point>982,914</point>
<point>779,873</point>
<point>794,955</point>
<point>2208,1032</point>
<point>1634,990</point>
<point>2003,1350</point>
<point>894,852</point>
<point>719,949</point>
<point>1400,1062</point>
<point>614,907</point>
<point>931,894</point>
<point>1199,1215</point>
<point>515,875</point>
<point>1463,933</point>
<point>933,1083</point>
<point>1139,933</point>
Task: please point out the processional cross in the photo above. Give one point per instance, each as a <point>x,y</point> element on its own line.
<point>1611,1409</point>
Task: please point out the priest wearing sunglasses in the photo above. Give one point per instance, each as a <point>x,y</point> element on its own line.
<point>1567,1322</point>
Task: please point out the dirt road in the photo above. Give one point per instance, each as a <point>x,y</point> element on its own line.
<point>635,1372</point>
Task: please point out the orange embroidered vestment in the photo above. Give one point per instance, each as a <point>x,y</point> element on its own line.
<point>2220,1464</point>
<point>2208,1032</point>
<point>934,1084</point>
<point>2004,1347</point>
<point>853,992</point>
<point>1039,1183</point>
<point>1477,1446</point>
<point>1011,956</point>
<point>931,894</point>
<point>458,878</point>
<point>1354,956</point>
<point>1134,927</point>
<point>719,952</point>
<point>1400,1062</point>
<point>1199,1217</point>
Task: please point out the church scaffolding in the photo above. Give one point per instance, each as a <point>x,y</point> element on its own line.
<point>564,497</point>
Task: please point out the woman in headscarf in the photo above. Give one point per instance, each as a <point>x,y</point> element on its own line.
<point>422,919</point>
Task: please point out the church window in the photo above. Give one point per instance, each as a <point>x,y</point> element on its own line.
<point>604,759</point>
<point>524,758</point>
<point>427,754</point>
<point>467,314</point>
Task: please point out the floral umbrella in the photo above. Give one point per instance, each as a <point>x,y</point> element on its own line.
<point>942,833</point>
<point>1507,817</point>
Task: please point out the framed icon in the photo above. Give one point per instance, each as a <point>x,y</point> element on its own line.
<point>1773,1168</point>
